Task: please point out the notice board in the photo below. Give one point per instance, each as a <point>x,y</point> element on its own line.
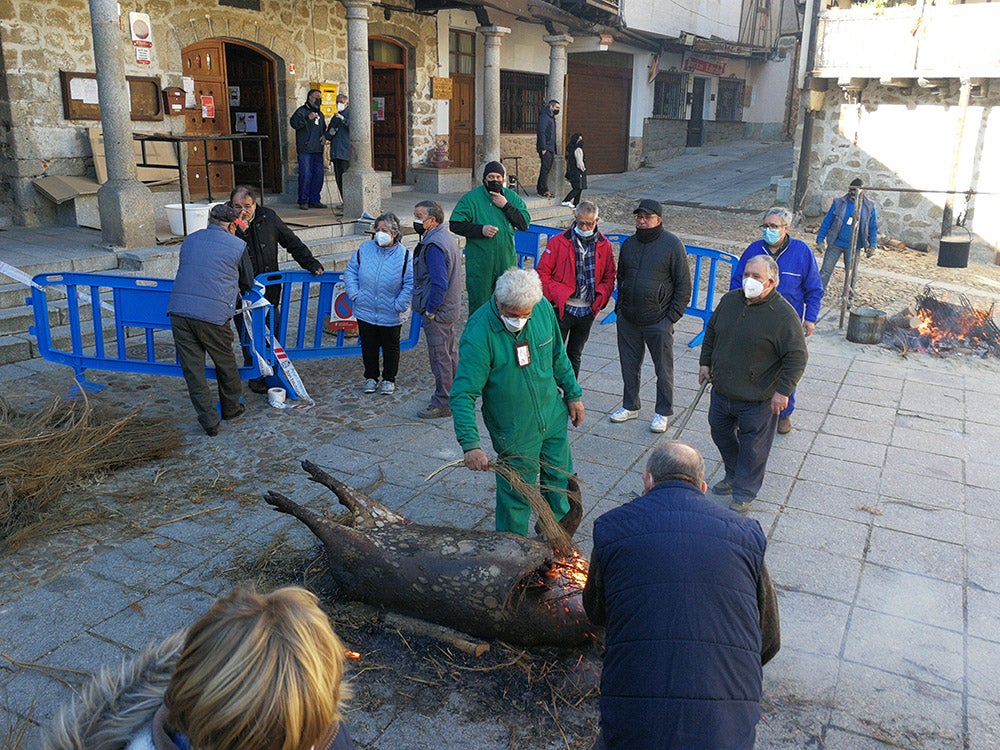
<point>79,96</point>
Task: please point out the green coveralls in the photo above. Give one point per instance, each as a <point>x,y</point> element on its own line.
<point>523,408</point>
<point>486,258</point>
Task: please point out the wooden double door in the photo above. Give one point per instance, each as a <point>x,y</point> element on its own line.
<point>389,120</point>
<point>235,91</point>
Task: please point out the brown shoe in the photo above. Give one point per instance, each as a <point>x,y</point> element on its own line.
<point>784,425</point>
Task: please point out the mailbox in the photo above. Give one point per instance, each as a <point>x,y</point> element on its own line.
<point>173,100</point>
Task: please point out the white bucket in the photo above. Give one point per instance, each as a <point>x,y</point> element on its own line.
<point>196,213</point>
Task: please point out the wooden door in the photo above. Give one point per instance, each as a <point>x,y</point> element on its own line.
<point>250,77</point>
<point>205,61</point>
<point>597,105</point>
<point>461,119</point>
<point>388,119</point>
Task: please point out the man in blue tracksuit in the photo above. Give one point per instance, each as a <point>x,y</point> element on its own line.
<point>836,230</point>
<point>801,284</point>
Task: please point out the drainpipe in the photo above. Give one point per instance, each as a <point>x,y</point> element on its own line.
<point>947,217</point>
<point>807,62</point>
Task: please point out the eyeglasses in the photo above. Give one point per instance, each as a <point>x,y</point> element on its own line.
<point>772,226</point>
<point>245,206</point>
<point>586,224</point>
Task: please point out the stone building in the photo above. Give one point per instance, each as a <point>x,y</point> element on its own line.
<point>904,97</point>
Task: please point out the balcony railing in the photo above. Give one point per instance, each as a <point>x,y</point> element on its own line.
<point>909,42</point>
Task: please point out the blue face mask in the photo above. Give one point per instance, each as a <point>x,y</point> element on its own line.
<point>771,236</point>
<point>585,233</point>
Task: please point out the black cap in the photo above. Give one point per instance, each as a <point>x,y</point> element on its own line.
<point>856,182</point>
<point>493,166</point>
<point>649,206</point>
<point>225,212</point>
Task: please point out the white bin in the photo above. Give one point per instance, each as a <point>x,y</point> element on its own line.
<point>196,213</point>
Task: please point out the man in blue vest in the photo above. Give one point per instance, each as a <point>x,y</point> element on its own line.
<point>690,613</point>
<point>214,268</point>
<point>836,230</point>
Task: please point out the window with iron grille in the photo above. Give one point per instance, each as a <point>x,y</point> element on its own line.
<point>730,107</point>
<point>669,95</point>
<point>521,97</point>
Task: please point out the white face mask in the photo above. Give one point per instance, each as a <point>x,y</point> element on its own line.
<point>752,288</point>
<point>584,232</point>
<point>384,239</point>
<point>341,106</point>
<point>514,325</point>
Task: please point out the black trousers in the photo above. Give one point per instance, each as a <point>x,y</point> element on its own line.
<point>543,172</point>
<point>573,196</point>
<point>375,339</point>
<point>193,339</point>
<point>339,167</point>
<point>575,332</point>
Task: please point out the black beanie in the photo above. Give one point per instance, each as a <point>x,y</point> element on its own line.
<point>856,182</point>
<point>493,166</point>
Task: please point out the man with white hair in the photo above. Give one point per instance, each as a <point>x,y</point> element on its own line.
<point>511,355</point>
<point>754,353</point>
<point>799,283</point>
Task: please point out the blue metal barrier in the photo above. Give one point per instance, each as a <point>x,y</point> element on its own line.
<point>306,304</point>
<point>113,322</point>
<point>702,300</point>
<point>529,244</point>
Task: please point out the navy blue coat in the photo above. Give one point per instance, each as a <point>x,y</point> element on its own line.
<point>678,580</point>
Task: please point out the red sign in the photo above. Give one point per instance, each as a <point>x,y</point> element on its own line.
<point>698,65</point>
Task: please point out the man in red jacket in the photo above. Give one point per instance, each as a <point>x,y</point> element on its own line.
<point>578,276</point>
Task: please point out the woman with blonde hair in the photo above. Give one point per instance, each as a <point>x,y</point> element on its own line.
<point>257,672</point>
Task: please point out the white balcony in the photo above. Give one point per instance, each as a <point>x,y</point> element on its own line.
<point>903,42</point>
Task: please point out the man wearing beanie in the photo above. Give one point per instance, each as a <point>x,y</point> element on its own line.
<point>487,217</point>
<point>654,288</point>
<point>214,269</point>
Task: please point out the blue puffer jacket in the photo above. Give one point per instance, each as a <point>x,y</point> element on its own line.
<point>214,268</point>
<point>379,283</point>
<point>800,283</point>
<point>675,578</point>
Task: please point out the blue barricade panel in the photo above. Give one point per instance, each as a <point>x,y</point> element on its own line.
<point>112,325</point>
<point>530,243</point>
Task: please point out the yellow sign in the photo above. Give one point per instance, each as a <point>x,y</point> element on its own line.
<point>440,88</point>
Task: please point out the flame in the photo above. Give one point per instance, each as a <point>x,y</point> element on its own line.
<point>569,571</point>
<point>352,655</point>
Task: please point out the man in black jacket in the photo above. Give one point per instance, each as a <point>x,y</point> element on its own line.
<point>545,144</point>
<point>690,611</point>
<point>264,232</point>
<point>654,288</point>
<point>754,354</point>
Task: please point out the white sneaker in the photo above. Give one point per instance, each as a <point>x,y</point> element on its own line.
<point>659,423</point>
<point>621,414</point>
<point>371,385</point>
<point>387,388</point>
<point>567,204</point>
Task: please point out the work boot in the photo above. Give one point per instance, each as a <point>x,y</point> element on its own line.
<point>784,425</point>
<point>722,487</point>
<point>741,504</point>
<point>257,385</point>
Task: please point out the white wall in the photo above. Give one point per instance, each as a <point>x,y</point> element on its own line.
<point>769,82</point>
<point>670,17</point>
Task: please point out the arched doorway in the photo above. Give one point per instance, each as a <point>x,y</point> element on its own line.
<point>241,81</point>
<point>387,68</point>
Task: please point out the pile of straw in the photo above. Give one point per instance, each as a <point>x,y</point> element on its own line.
<point>42,453</point>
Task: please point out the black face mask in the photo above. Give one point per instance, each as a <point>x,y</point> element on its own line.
<point>648,234</point>
<point>313,104</point>
<point>418,227</point>
<point>494,186</point>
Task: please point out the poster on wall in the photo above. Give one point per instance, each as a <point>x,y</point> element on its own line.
<point>378,108</point>
<point>234,96</point>
<point>207,107</point>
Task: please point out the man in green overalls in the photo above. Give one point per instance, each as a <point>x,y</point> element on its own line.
<point>487,217</point>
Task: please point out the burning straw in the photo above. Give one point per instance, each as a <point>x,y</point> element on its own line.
<point>42,453</point>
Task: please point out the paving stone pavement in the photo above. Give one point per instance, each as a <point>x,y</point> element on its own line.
<point>880,509</point>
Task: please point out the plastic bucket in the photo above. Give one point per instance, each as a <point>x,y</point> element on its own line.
<point>196,213</point>
<point>866,325</point>
<point>953,251</point>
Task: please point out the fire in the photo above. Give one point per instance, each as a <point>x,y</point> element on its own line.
<point>352,655</point>
<point>940,326</point>
<point>569,571</point>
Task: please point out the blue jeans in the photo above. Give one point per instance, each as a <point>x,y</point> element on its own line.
<point>311,174</point>
<point>830,257</point>
<point>743,431</point>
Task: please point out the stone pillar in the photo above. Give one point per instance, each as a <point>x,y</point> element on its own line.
<point>492,38</point>
<point>557,77</point>
<point>361,185</point>
<point>125,204</point>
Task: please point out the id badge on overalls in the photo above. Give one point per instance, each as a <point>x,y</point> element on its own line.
<point>523,353</point>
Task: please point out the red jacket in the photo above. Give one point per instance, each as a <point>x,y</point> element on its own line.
<point>557,269</point>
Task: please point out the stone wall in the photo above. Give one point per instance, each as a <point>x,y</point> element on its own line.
<point>906,139</point>
<point>37,140</point>
<point>662,139</point>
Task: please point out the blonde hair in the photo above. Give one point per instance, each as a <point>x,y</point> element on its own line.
<point>259,672</point>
